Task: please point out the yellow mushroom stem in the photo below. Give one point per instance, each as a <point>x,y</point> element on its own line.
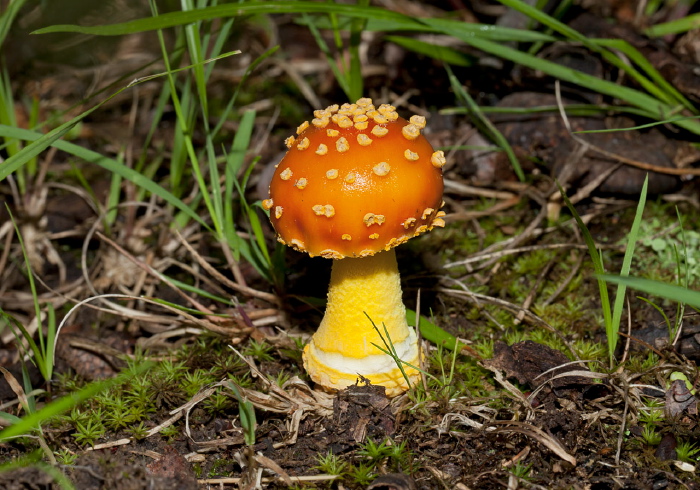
<point>342,347</point>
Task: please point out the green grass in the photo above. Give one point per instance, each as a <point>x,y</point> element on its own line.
<point>657,99</point>
<point>611,315</point>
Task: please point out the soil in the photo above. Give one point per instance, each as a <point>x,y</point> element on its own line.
<point>524,416</point>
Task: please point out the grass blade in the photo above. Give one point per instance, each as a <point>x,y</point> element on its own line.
<point>35,419</point>
<point>626,263</point>
<point>684,24</point>
<point>599,270</point>
<point>485,124</point>
<point>441,53</point>
<point>657,288</point>
<point>107,163</point>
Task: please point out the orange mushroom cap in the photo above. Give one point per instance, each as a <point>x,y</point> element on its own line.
<point>356,181</point>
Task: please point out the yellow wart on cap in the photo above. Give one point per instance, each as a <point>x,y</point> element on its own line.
<point>379,131</point>
<point>410,131</point>
<point>410,155</point>
<point>342,145</point>
<point>331,254</point>
<point>320,122</point>
<point>373,219</point>
<point>364,140</point>
<point>408,223</point>
<point>418,121</point>
<point>324,210</point>
<point>286,174</point>
<point>438,159</point>
<point>297,244</point>
<point>381,169</point>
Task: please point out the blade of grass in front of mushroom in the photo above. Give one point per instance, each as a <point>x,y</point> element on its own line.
<point>390,350</point>
<point>611,316</point>
<point>484,124</point>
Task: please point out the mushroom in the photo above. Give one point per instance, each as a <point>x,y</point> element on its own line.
<point>356,182</point>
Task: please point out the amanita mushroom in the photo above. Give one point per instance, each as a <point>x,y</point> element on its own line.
<point>356,182</point>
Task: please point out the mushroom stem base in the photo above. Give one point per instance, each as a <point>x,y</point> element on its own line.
<point>346,344</point>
